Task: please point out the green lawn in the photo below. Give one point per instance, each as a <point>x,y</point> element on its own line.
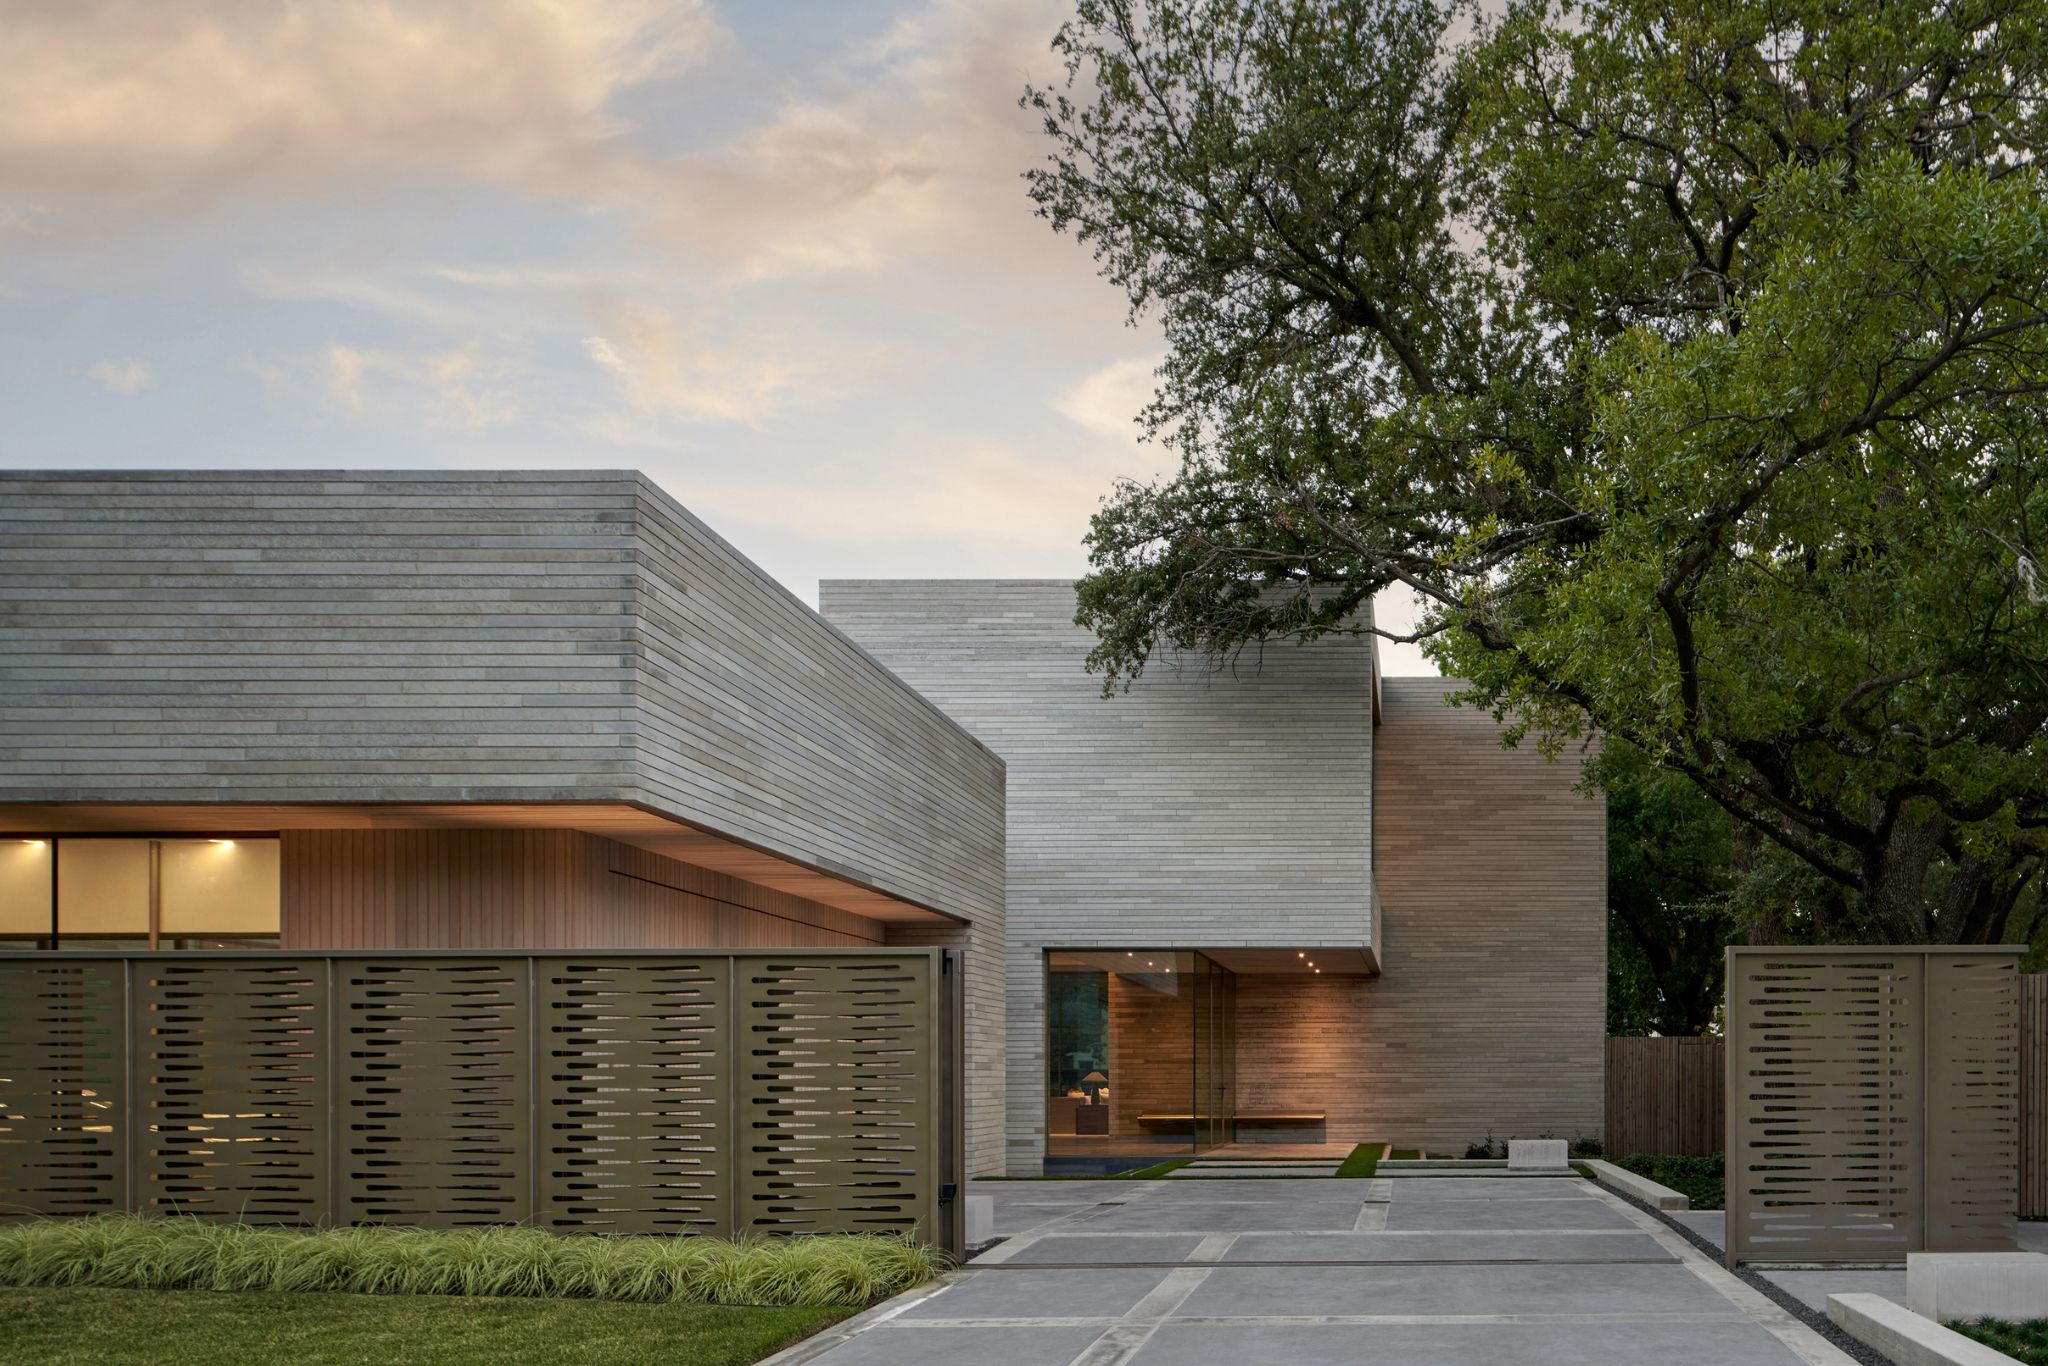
<point>1364,1160</point>
<point>2026,1342</point>
<point>73,1327</point>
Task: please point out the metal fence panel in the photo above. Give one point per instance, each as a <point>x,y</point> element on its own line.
<point>1972,1102</point>
<point>1836,1059</point>
<point>635,1094</point>
<point>619,1092</point>
<point>839,1093</point>
<point>432,1110</point>
<point>231,1090</point>
<point>64,1086</point>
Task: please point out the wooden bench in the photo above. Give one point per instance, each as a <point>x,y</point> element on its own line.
<point>1252,1117</point>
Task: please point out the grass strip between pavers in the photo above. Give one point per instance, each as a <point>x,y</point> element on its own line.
<point>1364,1160</point>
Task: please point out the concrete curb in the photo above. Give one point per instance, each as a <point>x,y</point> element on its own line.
<point>1905,1337</point>
<point>1641,1187</point>
<point>823,1341</point>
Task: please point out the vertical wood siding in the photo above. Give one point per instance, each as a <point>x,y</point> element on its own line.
<point>531,889</point>
<point>2033,1138</point>
<point>1666,1096</point>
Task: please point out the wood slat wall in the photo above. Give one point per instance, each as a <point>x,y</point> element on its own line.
<point>1666,1096</point>
<point>532,889</point>
<point>2034,1096</point>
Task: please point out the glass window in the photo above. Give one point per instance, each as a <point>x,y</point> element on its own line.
<point>1135,1066</point>
<point>25,888</point>
<point>219,887</point>
<point>193,892</point>
<point>103,888</point>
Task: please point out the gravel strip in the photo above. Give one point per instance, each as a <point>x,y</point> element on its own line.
<point>1815,1319</point>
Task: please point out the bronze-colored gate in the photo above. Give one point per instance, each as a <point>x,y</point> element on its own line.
<point>1873,1102</point>
<point>616,1092</point>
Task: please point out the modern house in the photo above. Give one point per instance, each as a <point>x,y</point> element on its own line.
<point>553,711</point>
<point>1283,899</point>
<point>462,711</point>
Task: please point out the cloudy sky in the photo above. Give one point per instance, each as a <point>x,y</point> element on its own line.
<point>776,253</point>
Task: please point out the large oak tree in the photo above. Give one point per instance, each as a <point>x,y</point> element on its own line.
<point>1687,360</point>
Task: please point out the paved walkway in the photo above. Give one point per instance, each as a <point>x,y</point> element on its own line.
<point>1456,1271</point>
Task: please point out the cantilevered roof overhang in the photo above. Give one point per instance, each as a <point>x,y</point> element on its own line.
<point>621,821</point>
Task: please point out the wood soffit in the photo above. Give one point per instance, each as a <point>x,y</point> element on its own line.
<point>621,821</point>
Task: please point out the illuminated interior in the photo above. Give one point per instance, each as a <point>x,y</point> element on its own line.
<point>1141,1055</point>
<point>86,892</point>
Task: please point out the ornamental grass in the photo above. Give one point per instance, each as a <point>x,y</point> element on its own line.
<point>125,1251</point>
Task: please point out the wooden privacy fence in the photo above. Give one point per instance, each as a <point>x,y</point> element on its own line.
<point>1873,1102</point>
<point>664,1092</point>
<point>2033,1142</point>
<point>1666,1096</point>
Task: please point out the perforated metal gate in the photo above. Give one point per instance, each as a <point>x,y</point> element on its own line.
<point>1873,1102</point>
<point>613,1092</point>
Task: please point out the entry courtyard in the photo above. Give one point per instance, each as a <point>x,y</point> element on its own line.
<point>1199,1270</point>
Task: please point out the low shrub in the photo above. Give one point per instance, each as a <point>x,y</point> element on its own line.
<point>136,1253</point>
<point>1496,1149</point>
<point>1699,1179</point>
<point>2025,1342</point>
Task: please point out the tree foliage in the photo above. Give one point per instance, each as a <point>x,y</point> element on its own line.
<point>1671,878</point>
<point>1687,361</point>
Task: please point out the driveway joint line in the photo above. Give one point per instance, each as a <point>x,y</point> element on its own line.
<point>1137,1326</point>
<point>1801,1340</point>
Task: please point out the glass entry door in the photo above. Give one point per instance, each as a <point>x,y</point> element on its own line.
<point>1140,1055</point>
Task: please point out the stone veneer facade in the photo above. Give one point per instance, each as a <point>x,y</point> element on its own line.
<point>1264,805</point>
<point>509,637</point>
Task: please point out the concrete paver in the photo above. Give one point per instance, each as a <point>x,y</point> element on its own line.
<point>1522,1344</point>
<point>1479,1215</point>
<point>1810,1288</point>
<point>1618,1245</point>
<point>1402,1271</point>
<point>1450,1290</point>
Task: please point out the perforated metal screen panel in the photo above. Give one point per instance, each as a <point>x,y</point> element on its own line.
<point>63,1086</point>
<point>615,1093</point>
<point>839,1093</point>
<point>635,1094</point>
<point>231,1092</point>
<point>1872,1102</point>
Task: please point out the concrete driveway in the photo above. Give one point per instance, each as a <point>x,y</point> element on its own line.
<point>1409,1271</point>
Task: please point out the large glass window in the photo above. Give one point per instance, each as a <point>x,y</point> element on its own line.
<point>187,893</point>
<point>1139,1056</point>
